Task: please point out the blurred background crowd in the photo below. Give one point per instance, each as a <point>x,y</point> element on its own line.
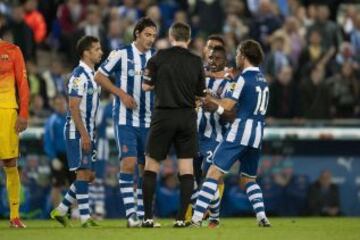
<point>312,63</point>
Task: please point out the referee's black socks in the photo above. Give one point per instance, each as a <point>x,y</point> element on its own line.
<point>148,187</point>
<point>186,190</point>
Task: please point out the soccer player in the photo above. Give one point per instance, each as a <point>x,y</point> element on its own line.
<point>54,147</point>
<point>132,111</point>
<point>211,42</point>
<point>210,127</point>
<point>14,112</point>
<point>83,94</point>
<point>249,97</point>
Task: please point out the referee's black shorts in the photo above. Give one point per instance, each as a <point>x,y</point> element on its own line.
<point>172,126</point>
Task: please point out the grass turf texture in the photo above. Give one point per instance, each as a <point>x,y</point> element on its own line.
<point>239,228</point>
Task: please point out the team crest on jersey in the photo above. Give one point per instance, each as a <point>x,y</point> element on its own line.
<point>124,148</point>
<point>4,57</point>
<point>232,86</point>
<point>76,83</point>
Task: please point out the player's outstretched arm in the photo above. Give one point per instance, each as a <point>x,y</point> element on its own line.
<point>212,104</point>
<point>106,83</point>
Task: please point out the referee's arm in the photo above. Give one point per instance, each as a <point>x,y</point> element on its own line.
<point>148,83</point>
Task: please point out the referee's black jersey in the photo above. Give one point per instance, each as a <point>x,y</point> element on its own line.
<point>178,76</point>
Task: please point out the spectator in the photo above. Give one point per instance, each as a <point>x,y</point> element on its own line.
<point>167,197</point>
<point>22,33</point>
<point>264,24</point>
<point>55,79</point>
<point>37,82</point>
<point>311,54</point>
<point>345,92</point>
<point>329,31</point>
<point>54,147</point>
<point>115,34</point>
<point>211,15</point>
<point>154,14</point>
<point>323,197</point>
<point>293,39</point>
<point>128,11</point>
<point>90,27</point>
<point>37,111</point>
<point>70,14</point>
<point>35,20</point>
<point>277,59</point>
<point>315,95</point>
<point>355,37</point>
<point>284,97</point>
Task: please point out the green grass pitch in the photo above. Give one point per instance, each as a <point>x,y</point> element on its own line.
<point>234,228</point>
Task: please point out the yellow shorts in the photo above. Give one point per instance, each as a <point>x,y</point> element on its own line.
<point>9,139</point>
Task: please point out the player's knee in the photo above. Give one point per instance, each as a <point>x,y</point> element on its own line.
<point>128,165</point>
<point>244,181</point>
<point>10,162</point>
<point>186,166</point>
<point>214,173</point>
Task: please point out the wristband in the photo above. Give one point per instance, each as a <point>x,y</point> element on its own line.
<point>220,110</point>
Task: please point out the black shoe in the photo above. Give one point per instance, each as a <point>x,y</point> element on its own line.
<point>264,223</point>
<point>148,223</point>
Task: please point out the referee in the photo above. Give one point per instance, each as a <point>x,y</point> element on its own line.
<point>177,77</point>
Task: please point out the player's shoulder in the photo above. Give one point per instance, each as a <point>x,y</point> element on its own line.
<point>8,45</point>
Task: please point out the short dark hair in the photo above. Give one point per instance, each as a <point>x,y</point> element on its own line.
<point>143,23</point>
<point>216,37</point>
<point>219,49</point>
<point>252,50</point>
<point>180,31</point>
<point>84,44</point>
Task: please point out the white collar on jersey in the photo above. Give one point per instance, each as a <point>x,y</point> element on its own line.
<point>251,69</point>
<point>86,67</point>
<point>137,50</point>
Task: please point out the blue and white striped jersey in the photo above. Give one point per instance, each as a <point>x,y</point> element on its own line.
<point>82,85</point>
<point>251,92</point>
<point>209,124</point>
<point>127,65</point>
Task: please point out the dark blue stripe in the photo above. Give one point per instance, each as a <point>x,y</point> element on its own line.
<point>89,88</point>
<point>130,81</point>
<point>259,209</point>
<point>142,94</point>
<point>211,180</point>
<point>200,209</point>
<point>254,191</point>
<point>116,106</point>
<point>84,211</point>
<point>211,83</point>
<point>66,202</point>
<point>128,194</point>
<point>82,201</point>
<point>72,194</point>
<point>126,177</point>
<point>204,199</point>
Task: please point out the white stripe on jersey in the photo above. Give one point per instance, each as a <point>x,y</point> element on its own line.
<point>233,130</point>
<point>257,135</point>
<point>148,100</point>
<point>219,135</point>
<point>124,62</point>
<point>137,88</point>
<point>247,132</point>
<point>208,128</point>
<point>238,87</point>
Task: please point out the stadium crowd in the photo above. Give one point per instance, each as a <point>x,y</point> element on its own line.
<point>312,59</point>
